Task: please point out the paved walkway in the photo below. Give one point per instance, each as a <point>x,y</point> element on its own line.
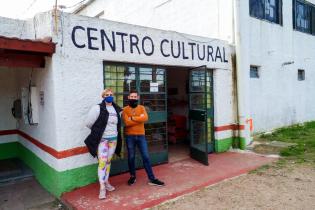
<point>180,177</point>
<point>27,194</point>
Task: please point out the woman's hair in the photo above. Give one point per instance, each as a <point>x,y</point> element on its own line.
<point>105,91</point>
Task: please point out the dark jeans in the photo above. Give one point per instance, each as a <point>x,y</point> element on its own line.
<point>141,143</point>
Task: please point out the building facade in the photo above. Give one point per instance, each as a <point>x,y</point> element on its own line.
<point>274,42</point>
<point>221,69</point>
<point>175,73</point>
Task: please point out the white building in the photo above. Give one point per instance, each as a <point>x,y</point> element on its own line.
<point>182,63</point>
<point>274,41</point>
<point>185,81</point>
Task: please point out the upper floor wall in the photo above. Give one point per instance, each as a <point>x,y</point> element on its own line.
<point>211,18</point>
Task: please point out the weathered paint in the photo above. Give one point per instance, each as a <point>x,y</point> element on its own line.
<point>54,181</point>
<point>224,145</point>
<point>58,182</point>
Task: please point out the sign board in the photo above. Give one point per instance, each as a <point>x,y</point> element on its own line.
<point>154,87</point>
<point>101,39</point>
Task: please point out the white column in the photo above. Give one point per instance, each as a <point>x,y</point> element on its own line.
<point>241,30</point>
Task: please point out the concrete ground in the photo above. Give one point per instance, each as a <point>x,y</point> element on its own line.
<point>290,187</point>
<point>181,177</point>
<point>27,194</point>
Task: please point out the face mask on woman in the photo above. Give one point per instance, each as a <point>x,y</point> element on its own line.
<point>133,103</point>
<point>109,99</point>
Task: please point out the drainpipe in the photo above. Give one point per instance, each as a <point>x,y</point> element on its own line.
<point>241,39</point>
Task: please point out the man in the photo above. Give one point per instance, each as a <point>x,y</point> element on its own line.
<point>134,117</point>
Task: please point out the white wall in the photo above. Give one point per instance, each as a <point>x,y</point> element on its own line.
<point>79,75</point>
<point>224,107</point>
<point>11,83</point>
<point>8,84</point>
<point>8,94</point>
<point>211,18</point>
<point>208,18</point>
<point>73,78</point>
<point>79,71</point>
<point>277,98</point>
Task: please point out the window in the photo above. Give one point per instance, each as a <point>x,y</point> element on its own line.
<point>270,10</point>
<point>254,72</point>
<point>301,74</point>
<point>150,81</point>
<point>122,78</point>
<point>303,16</point>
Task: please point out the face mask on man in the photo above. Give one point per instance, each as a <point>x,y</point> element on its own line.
<point>109,99</point>
<point>133,103</point>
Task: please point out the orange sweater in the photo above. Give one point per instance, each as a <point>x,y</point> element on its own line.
<point>134,119</point>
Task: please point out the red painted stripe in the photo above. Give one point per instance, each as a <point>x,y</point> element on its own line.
<point>53,152</point>
<point>83,149</point>
<point>8,132</point>
<point>229,127</point>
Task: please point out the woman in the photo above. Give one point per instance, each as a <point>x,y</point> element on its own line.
<point>105,137</point>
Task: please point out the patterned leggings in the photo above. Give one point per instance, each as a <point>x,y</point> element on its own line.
<point>105,153</point>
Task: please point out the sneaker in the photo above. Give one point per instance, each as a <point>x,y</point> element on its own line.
<point>109,187</point>
<point>156,182</point>
<point>132,180</point>
<point>102,194</point>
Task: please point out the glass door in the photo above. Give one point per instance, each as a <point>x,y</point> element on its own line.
<point>200,120</point>
<point>150,82</point>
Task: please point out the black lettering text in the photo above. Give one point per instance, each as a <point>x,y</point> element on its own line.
<point>90,38</point>
<point>161,48</point>
<point>178,49</point>
<point>192,45</point>
<point>134,42</point>
<point>73,36</point>
<point>112,43</point>
<point>122,35</point>
<point>148,53</point>
<point>218,54</point>
<point>210,51</point>
<point>203,52</point>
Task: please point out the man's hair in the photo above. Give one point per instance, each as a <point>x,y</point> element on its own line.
<point>133,91</point>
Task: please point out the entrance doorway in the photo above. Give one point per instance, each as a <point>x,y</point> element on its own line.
<point>179,104</point>
<point>190,113</point>
<point>178,113</point>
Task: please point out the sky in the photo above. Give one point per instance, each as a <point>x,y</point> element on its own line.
<point>24,9</point>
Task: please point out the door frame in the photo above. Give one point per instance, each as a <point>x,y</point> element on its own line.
<point>208,77</point>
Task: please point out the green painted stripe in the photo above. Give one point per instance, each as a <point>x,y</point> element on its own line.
<point>58,182</point>
<point>45,174</point>
<point>54,181</point>
<point>242,143</point>
<point>223,145</point>
<point>8,150</point>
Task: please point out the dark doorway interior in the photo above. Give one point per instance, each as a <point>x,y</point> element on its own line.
<point>177,110</point>
<point>13,169</point>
